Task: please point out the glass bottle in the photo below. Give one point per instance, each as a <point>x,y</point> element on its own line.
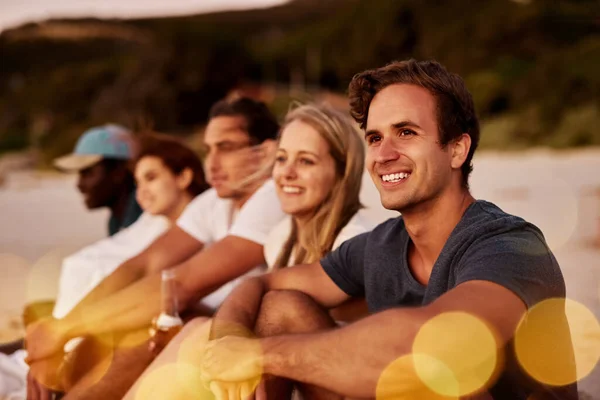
<point>168,323</point>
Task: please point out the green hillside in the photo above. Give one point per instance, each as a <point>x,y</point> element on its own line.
<point>531,65</point>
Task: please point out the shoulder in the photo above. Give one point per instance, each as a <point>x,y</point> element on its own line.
<point>265,198</point>
<point>388,229</point>
<point>357,225</point>
<point>204,199</point>
<point>379,238</point>
<point>146,225</point>
<point>203,204</point>
<point>493,245</point>
<point>259,215</point>
<point>484,221</point>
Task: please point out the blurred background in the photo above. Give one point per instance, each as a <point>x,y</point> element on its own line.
<point>533,67</point>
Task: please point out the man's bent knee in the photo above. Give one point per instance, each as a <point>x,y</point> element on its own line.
<point>290,311</point>
<point>289,302</point>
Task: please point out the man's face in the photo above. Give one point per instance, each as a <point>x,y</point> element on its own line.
<point>404,157</point>
<point>227,155</point>
<point>98,186</point>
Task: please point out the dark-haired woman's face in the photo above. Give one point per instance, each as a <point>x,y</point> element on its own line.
<point>159,191</point>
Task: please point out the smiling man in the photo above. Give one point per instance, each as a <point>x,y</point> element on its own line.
<point>448,259</point>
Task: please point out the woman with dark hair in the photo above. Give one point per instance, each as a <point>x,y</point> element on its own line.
<point>168,176</point>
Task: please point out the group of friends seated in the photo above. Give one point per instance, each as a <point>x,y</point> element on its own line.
<point>286,288</point>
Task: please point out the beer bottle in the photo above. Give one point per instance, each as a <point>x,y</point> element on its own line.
<point>168,323</point>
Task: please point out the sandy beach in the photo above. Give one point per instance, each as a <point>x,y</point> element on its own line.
<point>42,219</point>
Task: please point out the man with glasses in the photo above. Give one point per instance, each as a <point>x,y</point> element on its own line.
<point>218,239</point>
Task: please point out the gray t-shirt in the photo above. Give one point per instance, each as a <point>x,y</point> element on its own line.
<point>487,244</point>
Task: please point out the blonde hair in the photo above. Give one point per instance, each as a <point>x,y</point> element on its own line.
<point>347,149</point>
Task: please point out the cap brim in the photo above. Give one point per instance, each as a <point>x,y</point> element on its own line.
<point>76,162</point>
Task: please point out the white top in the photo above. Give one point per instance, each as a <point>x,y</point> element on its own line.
<point>358,224</point>
<point>85,269</point>
<point>207,219</point>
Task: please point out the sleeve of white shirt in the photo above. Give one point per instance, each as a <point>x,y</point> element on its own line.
<point>82,271</point>
<point>259,215</point>
<point>195,219</point>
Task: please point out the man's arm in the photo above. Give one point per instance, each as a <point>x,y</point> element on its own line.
<point>136,305</point>
<point>237,315</point>
<point>350,360</point>
<point>170,249</point>
<point>116,298</point>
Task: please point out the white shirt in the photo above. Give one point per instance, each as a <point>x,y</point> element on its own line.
<point>358,224</point>
<point>85,269</point>
<point>207,219</point>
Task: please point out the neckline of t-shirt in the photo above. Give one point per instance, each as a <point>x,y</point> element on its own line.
<point>412,280</point>
<point>406,266</point>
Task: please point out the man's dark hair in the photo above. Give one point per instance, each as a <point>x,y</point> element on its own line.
<point>455,108</point>
<point>261,123</point>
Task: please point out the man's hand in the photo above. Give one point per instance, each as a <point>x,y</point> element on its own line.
<point>232,391</point>
<point>44,338</point>
<point>232,359</point>
<point>46,374</point>
<point>36,391</point>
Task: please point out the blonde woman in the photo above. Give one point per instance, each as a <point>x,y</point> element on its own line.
<point>318,172</point>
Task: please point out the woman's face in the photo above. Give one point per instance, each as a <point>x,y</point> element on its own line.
<point>159,191</point>
<point>304,170</point>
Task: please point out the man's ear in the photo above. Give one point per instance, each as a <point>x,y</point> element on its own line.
<point>460,150</point>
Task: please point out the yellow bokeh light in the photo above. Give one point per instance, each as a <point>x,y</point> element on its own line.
<point>400,381</point>
<point>49,372</point>
<point>125,340</point>
<point>192,347</point>
<point>13,284</point>
<point>87,363</point>
<point>543,347</point>
<point>44,275</point>
<point>132,339</point>
<point>465,347</point>
<point>173,382</point>
<point>191,350</point>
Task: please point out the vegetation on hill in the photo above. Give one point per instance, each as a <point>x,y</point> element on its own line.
<point>532,65</point>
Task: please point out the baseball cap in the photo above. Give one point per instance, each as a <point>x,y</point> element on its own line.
<point>107,141</point>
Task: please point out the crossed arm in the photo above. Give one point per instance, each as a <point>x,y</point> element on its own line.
<point>347,360</point>
<point>130,297</point>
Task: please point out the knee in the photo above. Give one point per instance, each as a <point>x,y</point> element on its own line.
<point>287,298</point>
<point>286,304</point>
<point>289,311</point>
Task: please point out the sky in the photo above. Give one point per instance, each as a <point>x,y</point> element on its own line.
<point>16,12</point>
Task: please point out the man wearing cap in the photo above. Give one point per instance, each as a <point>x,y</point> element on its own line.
<point>100,157</point>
